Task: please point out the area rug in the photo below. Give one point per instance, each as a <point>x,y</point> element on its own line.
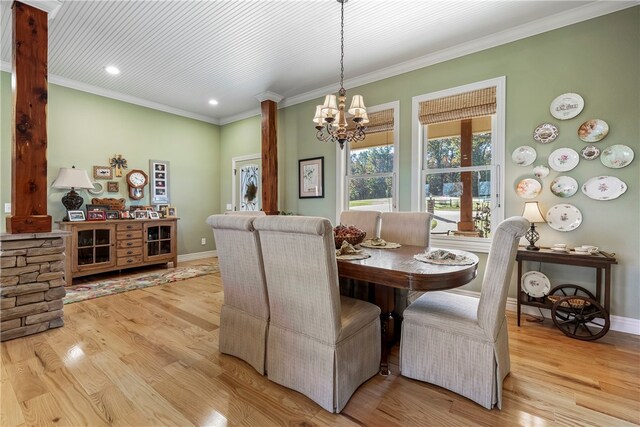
<point>103,288</point>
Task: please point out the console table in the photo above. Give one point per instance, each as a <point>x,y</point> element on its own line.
<point>100,246</point>
<point>600,262</point>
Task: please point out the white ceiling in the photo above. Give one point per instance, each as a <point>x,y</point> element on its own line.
<point>176,55</point>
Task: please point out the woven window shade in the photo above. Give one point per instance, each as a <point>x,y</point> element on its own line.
<point>380,121</point>
<point>466,105</point>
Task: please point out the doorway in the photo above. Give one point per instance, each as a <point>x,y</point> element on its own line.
<point>247,183</point>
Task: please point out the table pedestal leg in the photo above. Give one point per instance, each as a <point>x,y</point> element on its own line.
<point>385,299</point>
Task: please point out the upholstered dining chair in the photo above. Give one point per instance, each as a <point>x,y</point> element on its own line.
<point>460,342</point>
<point>244,318</point>
<point>406,228</point>
<point>246,213</point>
<point>320,344</point>
<point>367,221</point>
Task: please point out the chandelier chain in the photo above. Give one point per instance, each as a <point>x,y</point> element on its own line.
<point>342,44</point>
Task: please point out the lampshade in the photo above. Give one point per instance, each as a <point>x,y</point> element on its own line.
<point>532,212</point>
<point>330,106</point>
<point>357,106</point>
<point>318,118</point>
<point>72,178</point>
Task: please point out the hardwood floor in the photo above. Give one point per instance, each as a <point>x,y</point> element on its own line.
<point>149,357</point>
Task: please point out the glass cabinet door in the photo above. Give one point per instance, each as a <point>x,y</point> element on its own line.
<point>158,240</point>
<point>94,247</point>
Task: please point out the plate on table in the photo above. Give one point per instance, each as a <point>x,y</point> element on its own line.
<point>545,133</point>
<point>563,159</point>
<point>566,106</point>
<point>593,130</point>
<point>524,155</point>
<point>564,217</point>
<point>564,186</point>
<point>617,156</point>
<point>535,284</point>
<point>528,188</point>
<point>604,188</point>
<point>590,152</point>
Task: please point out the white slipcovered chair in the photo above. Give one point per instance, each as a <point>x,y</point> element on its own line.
<point>367,221</point>
<point>320,344</point>
<point>460,342</point>
<point>406,228</point>
<point>244,318</point>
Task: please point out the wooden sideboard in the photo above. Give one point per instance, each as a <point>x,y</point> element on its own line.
<point>100,246</point>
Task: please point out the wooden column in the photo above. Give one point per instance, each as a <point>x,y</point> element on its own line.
<point>29,135</point>
<point>269,157</point>
<point>466,154</point>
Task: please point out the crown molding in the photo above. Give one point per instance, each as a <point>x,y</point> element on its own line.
<point>583,13</point>
<point>574,16</point>
<point>49,6</point>
<point>106,93</point>
<point>269,96</point>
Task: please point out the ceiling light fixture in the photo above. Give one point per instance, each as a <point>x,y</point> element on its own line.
<point>213,102</point>
<point>330,118</point>
<point>112,69</point>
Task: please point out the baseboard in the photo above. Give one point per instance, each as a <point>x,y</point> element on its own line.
<point>618,323</point>
<point>197,255</point>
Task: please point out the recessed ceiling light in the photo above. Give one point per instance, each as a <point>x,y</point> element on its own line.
<point>213,102</point>
<point>112,69</point>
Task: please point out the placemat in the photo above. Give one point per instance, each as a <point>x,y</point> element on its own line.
<point>459,260</point>
<point>389,245</point>
<point>352,257</point>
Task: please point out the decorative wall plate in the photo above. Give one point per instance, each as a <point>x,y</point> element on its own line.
<point>545,133</point>
<point>541,171</point>
<point>524,155</point>
<point>563,159</point>
<point>564,217</point>
<point>593,130</point>
<point>617,156</point>
<point>566,106</point>
<point>564,186</point>
<point>97,189</point>
<point>535,284</point>
<point>604,188</point>
<point>528,188</point>
<point>590,152</point>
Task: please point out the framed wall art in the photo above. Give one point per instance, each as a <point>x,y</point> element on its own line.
<point>102,172</point>
<point>311,178</point>
<point>159,183</point>
<point>113,187</point>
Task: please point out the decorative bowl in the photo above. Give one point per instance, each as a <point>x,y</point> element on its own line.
<point>350,234</point>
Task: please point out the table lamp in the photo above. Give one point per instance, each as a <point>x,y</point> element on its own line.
<point>532,214</point>
<point>72,178</point>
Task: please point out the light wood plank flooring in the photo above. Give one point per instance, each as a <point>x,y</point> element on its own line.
<point>150,358</point>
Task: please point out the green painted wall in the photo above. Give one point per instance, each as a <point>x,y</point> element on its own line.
<point>599,59</point>
<point>86,130</point>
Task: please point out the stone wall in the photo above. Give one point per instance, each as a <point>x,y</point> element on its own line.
<point>31,283</point>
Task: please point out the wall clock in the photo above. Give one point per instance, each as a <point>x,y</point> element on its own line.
<point>136,180</point>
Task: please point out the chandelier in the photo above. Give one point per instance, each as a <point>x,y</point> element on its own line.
<point>330,118</point>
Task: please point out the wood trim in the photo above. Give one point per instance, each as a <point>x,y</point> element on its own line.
<point>29,133</point>
<point>269,110</point>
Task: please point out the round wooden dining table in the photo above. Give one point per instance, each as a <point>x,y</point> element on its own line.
<point>390,269</point>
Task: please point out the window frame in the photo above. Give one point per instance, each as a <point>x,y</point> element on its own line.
<point>418,174</point>
<point>343,172</point>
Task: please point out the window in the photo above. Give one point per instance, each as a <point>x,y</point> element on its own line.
<point>458,151</point>
<point>368,169</point>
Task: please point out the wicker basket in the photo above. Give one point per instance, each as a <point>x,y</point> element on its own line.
<point>354,240</point>
<point>575,303</point>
